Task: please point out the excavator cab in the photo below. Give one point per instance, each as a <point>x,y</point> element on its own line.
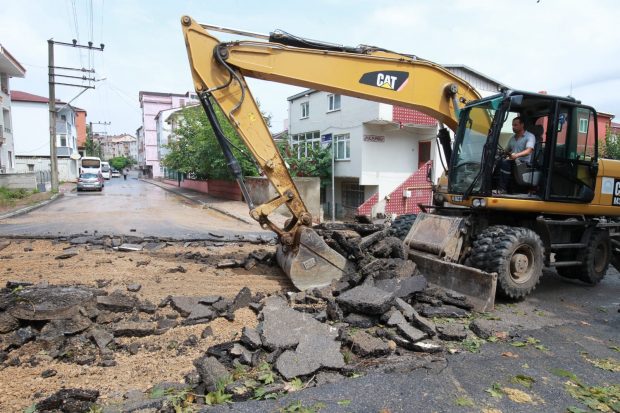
<point>562,167</point>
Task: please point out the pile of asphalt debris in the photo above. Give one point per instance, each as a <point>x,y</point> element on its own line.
<point>384,316</point>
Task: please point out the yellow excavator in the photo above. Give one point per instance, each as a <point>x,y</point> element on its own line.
<point>561,209</point>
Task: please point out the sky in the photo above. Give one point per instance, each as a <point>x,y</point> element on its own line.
<point>566,47</point>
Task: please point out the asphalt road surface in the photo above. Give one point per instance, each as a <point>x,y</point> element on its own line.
<point>566,323</point>
<point>126,207</point>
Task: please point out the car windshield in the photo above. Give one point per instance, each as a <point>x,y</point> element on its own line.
<point>475,124</point>
<point>105,168</point>
<point>88,176</point>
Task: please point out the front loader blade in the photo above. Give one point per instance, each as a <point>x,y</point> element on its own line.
<point>478,286</point>
<point>314,264</point>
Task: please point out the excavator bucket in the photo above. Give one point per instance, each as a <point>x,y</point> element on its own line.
<point>435,243</point>
<point>314,264</point>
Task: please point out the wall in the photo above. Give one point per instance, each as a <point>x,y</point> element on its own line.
<point>17,181</point>
<point>262,191</point>
<point>388,163</point>
<point>31,129</point>
<point>67,167</point>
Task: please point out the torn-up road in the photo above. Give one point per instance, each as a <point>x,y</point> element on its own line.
<point>129,323</point>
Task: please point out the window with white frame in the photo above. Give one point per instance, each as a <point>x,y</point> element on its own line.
<point>300,142</point>
<point>333,103</point>
<point>583,125</point>
<point>342,147</point>
<point>305,110</point>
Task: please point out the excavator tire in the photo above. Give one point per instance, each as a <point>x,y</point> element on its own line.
<point>516,254</point>
<point>401,225</point>
<point>596,260</point>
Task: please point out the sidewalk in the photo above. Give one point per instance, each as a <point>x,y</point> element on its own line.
<point>22,209</point>
<point>235,209</point>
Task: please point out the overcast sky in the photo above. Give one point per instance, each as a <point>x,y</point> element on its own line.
<point>562,46</point>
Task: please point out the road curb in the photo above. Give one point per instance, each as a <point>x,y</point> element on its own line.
<point>203,204</point>
<point>27,209</point>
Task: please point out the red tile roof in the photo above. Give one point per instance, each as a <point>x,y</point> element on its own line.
<point>17,95</point>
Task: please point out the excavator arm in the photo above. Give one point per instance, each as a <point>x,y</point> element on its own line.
<point>219,71</point>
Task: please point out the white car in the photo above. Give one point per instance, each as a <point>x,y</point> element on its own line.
<point>116,173</point>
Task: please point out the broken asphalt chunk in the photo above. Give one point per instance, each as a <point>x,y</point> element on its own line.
<point>448,311</point>
<point>366,300</point>
<point>211,371</point>
<point>365,345</point>
<point>130,247</point>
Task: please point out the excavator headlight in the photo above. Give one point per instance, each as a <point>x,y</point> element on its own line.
<point>479,203</point>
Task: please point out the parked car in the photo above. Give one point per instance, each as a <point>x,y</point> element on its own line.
<point>90,182</point>
<point>116,173</point>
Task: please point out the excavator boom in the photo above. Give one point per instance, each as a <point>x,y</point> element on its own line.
<point>219,71</point>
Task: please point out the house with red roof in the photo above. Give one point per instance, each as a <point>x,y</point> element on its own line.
<point>9,67</point>
<point>382,153</point>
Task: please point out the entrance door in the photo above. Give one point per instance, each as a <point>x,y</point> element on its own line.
<point>424,152</point>
<point>573,174</point>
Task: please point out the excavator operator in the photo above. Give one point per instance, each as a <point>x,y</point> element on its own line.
<point>520,148</point>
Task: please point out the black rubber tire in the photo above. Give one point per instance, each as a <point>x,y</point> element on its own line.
<point>401,225</point>
<point>516,254</point>
<point>596,259</point>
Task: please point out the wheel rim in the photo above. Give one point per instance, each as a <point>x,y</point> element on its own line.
<point>601,254</point>
<point>522,264</point>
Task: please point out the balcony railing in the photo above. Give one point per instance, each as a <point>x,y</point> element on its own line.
<point>7,130</point>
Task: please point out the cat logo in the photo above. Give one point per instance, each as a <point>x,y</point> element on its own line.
<point>389,79</point>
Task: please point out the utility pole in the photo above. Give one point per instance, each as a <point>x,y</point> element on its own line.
<point>52,95</point>
<point>52,108</point>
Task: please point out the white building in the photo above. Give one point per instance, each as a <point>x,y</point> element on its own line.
<point>32,137</point>
<point>9,67</point>
<point>376,146</point>
<point>123,145</point>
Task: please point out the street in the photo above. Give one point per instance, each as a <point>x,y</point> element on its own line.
<point>126,207</point>
<point>563,334</point>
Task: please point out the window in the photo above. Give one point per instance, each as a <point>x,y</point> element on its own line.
<point>63,117</point>
<point>342,147</point>
<point>10,159</point>
<point>305,110</point>
<point>63,140</point>
<point>583,125</point>
<point>30,167</point>
<point>333,103</point>
<point>300,142</point>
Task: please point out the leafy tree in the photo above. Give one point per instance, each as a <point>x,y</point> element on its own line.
<point>121,162</point>
<point>611,147</point>
<point>317,162</point>
<point>196,149</point>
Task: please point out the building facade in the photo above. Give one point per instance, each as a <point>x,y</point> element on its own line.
<point>32,138</point>
<point>123,145</point>
<point>9,67</point>
<point>80,129</point>
<point>152,103</point>
<point>376,146</point>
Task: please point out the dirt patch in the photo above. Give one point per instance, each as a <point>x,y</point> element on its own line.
<point>9,205</point>
<point>158,358</point>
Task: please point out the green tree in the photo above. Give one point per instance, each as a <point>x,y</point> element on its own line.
<point>121,162</point>
<point>195,148</point>
<point>316,162</point>
<point>611,147</point>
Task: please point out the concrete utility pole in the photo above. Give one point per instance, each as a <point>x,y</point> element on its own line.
<point>52,96</point>
<point>52,108</point>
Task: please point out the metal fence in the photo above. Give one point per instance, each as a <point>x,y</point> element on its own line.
<point>43,177</point>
